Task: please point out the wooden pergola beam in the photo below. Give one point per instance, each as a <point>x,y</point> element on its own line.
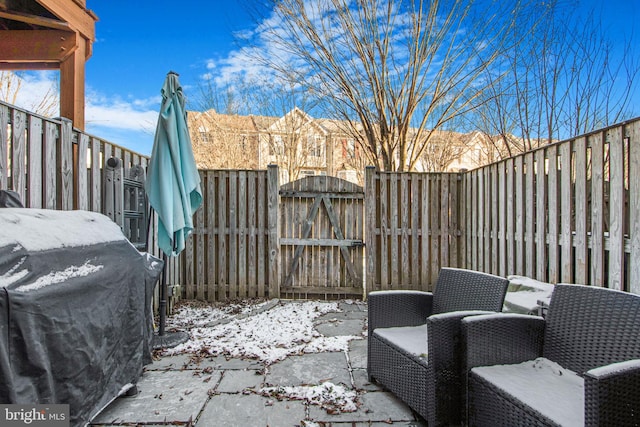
<point>78,17</point>
<point>72,77</point>
<point>37,46</point>
<point>34,20</point>
<point>65,43</point>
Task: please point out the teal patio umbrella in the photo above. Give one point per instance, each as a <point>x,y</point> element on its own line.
<point>173,182</point>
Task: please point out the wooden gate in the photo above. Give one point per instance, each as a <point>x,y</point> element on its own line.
<point>321,238</point>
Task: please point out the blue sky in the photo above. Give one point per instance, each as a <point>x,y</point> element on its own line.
<point>138,42</point>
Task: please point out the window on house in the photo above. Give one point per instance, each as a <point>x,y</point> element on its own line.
<point>203,135</point>
<point>275,145</point>
<point>350,145</point>
<point>314,142</point>
<point>305,172</point>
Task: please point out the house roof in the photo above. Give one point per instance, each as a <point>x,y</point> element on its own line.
<point>226,122</point>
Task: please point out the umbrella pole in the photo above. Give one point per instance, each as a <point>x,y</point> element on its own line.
<point>163,296</point>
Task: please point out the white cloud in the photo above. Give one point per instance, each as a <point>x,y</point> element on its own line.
<point>100,109</point>
<point>136,115</point>
<point>28,89</point>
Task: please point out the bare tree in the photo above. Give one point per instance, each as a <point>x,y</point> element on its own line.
<point>46,105</point>
<point>561,83</point>
<point>396,70</point>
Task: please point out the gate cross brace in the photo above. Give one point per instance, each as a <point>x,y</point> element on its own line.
<point>311,216</point>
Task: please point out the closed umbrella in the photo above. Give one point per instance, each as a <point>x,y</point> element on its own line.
<point>173,182</point>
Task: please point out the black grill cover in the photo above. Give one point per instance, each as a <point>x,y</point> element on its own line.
<point>75,309</point>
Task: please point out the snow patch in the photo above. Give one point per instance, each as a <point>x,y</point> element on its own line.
<point>333,398</point>
<point>43,229</point>
<point>269,336</point>
<point>60,276</point>
<point>542,384</point>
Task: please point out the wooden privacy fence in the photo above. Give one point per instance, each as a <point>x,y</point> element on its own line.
<point>233,251</point>
<point>51,165</point>
<point>253,238</point>
<point>413,228</point>
<point>567,212</point>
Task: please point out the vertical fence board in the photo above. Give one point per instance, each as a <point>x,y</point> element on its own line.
<point>519,215</point>
<point>454,215</point>
<point>19,154</point>
<point>436,227</point>
<point>210,206</point>
<point>405,273</point>
<point>395,258</point>
<point>552,203</point>
<point>65,156</point>
<point>414,229</point>
<point>82,180</point>
<point>445,215</point>
<point>198,246</point>
<point>580,212</point>
<point>634,207</point>
<point>50,166</point>
<point>370,197</point>
<point>486,226</point>
<point>481,212</point>
<point>541,217</point>
<point>616,208</point>
<point>263,250</point>
<point>468,216</point>
<point>502,234</point>
<point>566,273</point>
<point>495,199</point>
<point>188,264</point>
<point>233,234</point>
<point>597,209</point>
<point>34,176</point>
<point>384,231</point>
<point>274,230</point>
<point>424,229</point>
<point>222,236</point>
<point>242,234</point>
<point>96,176</point>
<point>252,230</point>
<point>511,243</point>
<point>473,221</point>
<point>529,214</point>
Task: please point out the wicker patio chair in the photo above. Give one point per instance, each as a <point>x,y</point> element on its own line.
<point>414,346</point>
<point>580,365</point>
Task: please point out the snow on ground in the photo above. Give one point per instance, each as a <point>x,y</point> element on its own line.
<point>333,398</point>
<point>269,336</point>
<point>269,331</point>
<point>194,314</point>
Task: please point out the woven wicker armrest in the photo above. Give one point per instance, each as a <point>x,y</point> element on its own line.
<point>497,339</point>
<point>445,335</point>
<point>611,394</point>
<point>387,309</point>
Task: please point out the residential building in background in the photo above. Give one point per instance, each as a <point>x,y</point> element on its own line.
<point>303,146</point>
